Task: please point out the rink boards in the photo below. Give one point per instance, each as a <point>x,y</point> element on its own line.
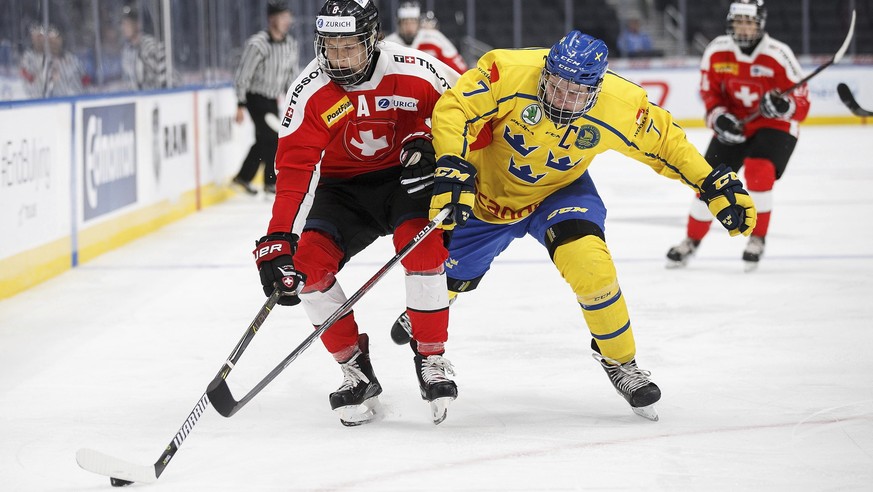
<point>79,177</point>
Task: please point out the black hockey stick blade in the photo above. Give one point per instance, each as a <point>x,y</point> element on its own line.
<point>219,394</point>
<point>221,398</point>
<point>849,100</point>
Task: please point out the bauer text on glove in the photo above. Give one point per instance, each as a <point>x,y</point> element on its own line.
<point>273,254</point>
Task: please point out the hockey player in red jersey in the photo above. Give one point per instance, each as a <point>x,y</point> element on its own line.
<point>755,125</point>
<point>355,162</point>
<point>411,33</point>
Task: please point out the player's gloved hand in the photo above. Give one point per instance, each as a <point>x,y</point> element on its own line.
<point>728,201</point>
<point>454,184</point>
<point>728,129</point>
<point>777,106</point>
<point>419,162</point>
<point>273,254</point>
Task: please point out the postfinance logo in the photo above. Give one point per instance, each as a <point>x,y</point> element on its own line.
<point>337,111</point>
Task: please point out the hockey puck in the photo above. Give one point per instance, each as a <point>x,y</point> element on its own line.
<point>117,482</point>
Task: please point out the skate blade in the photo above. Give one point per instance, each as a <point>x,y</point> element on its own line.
<point>672,265</point>
<point>647,412</point>
<point>439,409</point>
<point>750,266</point>
<point>354,415</point>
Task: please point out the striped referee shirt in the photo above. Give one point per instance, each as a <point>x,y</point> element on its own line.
<point>267,67</point>
<point>144,63</point>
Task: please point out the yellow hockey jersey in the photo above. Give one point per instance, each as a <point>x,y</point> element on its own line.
<point>492,119</point>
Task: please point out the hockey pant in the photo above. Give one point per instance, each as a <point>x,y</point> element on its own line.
<point>586,264</point>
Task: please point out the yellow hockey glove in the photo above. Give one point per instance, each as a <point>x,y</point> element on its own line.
<point>454,184</point>
<point>728,201</point>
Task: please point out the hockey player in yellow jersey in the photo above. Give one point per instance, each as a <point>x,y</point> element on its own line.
<point>514,138</point>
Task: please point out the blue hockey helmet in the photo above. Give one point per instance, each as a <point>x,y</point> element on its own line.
<point>571,78</point>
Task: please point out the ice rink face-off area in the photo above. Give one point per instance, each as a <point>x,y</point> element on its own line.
<point>765,375</point>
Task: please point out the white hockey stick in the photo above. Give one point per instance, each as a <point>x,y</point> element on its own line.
<point>122,472</point>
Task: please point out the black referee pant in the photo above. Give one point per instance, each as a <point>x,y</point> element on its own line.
<point>266,140</point>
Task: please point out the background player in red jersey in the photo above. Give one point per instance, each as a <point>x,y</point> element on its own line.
<point>755,125</point>
<point>410,32</point>
<point>352,119</point>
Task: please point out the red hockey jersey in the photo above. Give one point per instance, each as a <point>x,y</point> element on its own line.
<point>332,131</point>
<point>737,82</point>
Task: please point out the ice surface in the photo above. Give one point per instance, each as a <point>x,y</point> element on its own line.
<point>766,377</point>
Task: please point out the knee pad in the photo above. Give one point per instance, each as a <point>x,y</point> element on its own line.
<point>318,257</point>
<point>586,264</point>
<point>427,257</point>
<point>568,230</point>
<point>760,174</point>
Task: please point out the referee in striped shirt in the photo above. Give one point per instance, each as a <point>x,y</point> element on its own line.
<point>267,68</point>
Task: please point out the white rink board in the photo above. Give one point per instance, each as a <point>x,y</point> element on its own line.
<point>34,177</point>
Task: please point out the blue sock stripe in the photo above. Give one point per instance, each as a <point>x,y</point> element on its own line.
<point>614,334</point>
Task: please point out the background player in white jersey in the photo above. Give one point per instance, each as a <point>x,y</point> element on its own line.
<point>430,40</point>
<point>515,138</point>
<point>354,114</point>
<point>755,126</point>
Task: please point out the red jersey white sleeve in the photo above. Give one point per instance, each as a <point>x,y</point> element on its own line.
<point>331,131</point>
<point>737,82</point>
<point>436,44</point>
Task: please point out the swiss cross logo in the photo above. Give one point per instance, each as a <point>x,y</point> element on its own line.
<point>410,59</point>
<point>746,96</point>
<point>289,112</point>
<point>404,58</point>
<point>370,140</point>
<point>288,281</point>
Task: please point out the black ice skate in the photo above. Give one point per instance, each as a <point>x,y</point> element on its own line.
<point>401,331</point>
<point>435,387</point>
<point>356,401</point>
<point>632,383</point>
<point>679,255</point>
<point>753,253</point>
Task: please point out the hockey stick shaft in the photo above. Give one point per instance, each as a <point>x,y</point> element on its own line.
<point>849,100</point>
<point>218,391</point>
<point>834,59</point>
<point>120,471</point>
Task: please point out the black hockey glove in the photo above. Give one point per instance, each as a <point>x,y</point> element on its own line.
<point>728,129</point>
<point>728,201</point>
<point>419,162</point>
<point>777,106</point>
<point>273,254</point>
<point>454,184</point>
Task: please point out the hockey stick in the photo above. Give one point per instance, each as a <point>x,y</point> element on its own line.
<point>849,100</point>
<point>218,391</point>
<point>121,472</point>
<point>834,59</point>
